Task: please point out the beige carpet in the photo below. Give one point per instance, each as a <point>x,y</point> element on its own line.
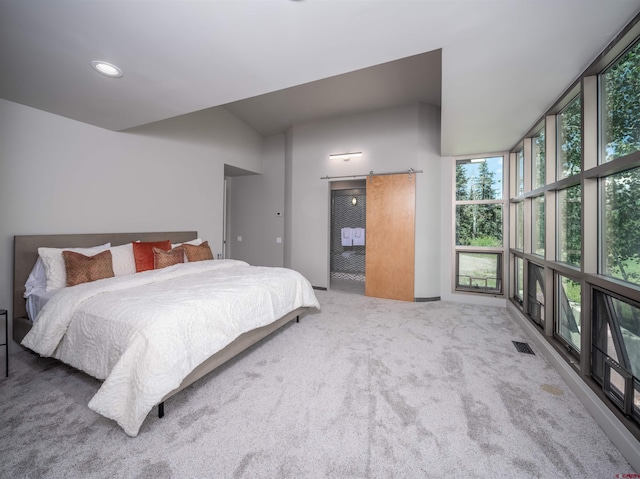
<point>367,388</point>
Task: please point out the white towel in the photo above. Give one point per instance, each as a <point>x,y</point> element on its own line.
<point>358,236</point>
<point>347,237</point>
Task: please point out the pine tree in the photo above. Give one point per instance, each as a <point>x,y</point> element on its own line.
<point>463,220</point>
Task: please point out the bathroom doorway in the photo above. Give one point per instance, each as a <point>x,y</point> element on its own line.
<point>348,236</point>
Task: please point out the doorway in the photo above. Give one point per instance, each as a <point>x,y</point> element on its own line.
<point>348,236</point>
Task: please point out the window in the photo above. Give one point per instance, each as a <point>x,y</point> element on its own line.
<point>538,160</point>
<point>535,293</point>
<point>520,225</point>
<point>616,350</point>
<point>519,280</point>
<point>569,232</point>
<point>479,225</point>
<point>479,207</point>
<point>568,312</point>
<point>569,155</point>
<point>590,212</point>
<point>620,92</point>
<point>620,231</point>
<point>479,184</point>
<point>479,179</point>
<point>538,231</point>
<point>480,272</point>
<point>519,172</point>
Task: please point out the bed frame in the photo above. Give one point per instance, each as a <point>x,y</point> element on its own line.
<point>26,253</point>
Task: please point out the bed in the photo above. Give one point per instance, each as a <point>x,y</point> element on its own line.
<point>149,335</point>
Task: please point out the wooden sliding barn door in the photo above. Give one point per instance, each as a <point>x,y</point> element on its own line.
<point>390,242</point>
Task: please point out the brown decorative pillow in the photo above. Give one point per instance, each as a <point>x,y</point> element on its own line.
<point>84,269</point>
<point>197,253</point>
<point>162,258</point>
<point>143,253</point>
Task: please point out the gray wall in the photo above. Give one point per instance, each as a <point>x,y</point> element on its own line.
<point>391,140</point>
<point>254,202</point>
<point>288,195</point>
<point>62,176</point>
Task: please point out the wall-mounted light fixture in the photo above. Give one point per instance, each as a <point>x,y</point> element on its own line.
<point>354,201</point>
<point>346,156</point>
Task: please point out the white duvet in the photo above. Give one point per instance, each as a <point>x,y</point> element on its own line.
<point>144,333</point>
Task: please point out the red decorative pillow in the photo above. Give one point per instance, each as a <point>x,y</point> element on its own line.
<point>143,253</point>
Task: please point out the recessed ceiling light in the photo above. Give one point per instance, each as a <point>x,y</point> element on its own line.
<point>107,69</point>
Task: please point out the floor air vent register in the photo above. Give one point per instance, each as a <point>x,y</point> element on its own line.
<point>523,347</point>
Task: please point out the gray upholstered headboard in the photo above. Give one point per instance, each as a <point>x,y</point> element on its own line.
<point>25,254</point>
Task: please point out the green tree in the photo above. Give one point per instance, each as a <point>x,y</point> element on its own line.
<point>621,94</point>
<point>571,220</point>
<point>622,224</point>
<point>570,162</point>
<point>463,217</point>
<point>487,219</point>
<point>539,159</point>
<point>483,184</point>
<point>621,125</point>
<point>478,224</point>
<point>462,183</point>
<point>538,225</point>
<point>570,154</point>
<point>520,173</point>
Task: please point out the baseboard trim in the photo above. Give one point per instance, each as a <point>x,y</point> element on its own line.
<point>319,288</point>
<point>426,300</point>
<point>619,435</point>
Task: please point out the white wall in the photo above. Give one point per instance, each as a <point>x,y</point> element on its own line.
<point>254,202</point>
<point>62,176</point>
<point>395,139</point>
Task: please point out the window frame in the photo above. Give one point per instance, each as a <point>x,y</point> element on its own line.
<point>601,105</point>
<point>558,230</point>
<point>571,347</point>
<point>498,278</point>
<point>588,271</point>
<point>500,249</point>
<point>531,267</point>
<point>621,363</point>
<point>602,219</point>
<point>534,231</point>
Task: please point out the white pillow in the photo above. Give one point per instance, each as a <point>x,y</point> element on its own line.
<point>195,242</point>
<point>123,260</point>
<point>54,263</point>
<point>37,279</point>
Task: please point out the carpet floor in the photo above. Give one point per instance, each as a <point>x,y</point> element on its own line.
<point>366,388</point>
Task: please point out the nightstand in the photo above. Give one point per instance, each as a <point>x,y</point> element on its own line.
<point>3,312</point>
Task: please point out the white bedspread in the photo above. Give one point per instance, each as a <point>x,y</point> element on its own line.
<point>149,330</point>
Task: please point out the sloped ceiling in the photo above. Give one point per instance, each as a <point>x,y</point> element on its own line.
<point>503,62</point>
